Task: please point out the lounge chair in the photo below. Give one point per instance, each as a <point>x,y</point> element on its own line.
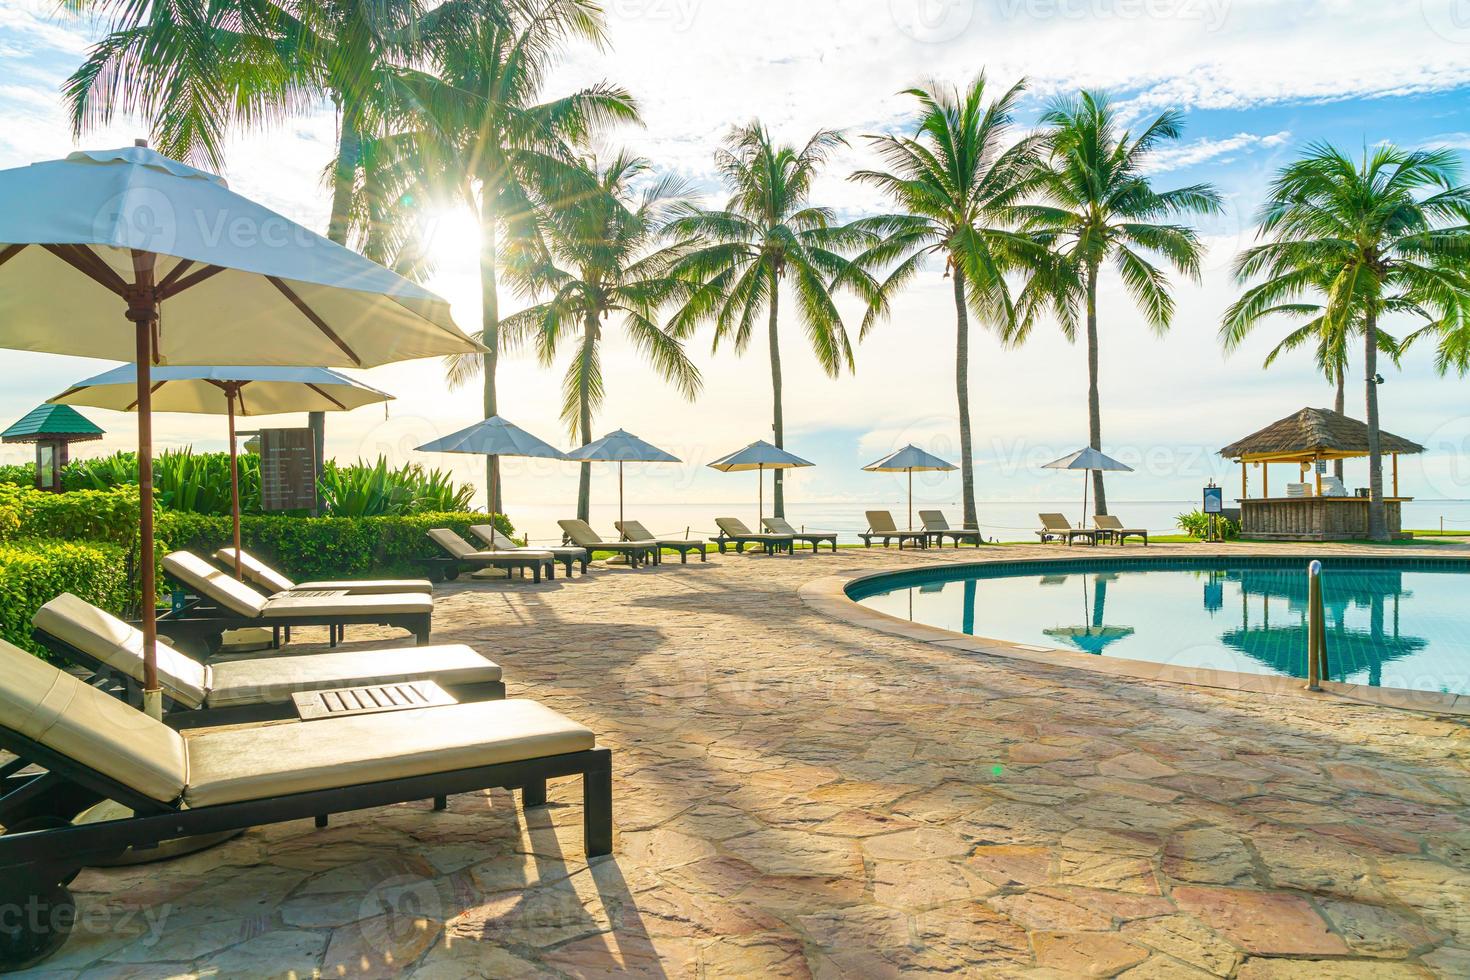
<point>779,525</point>
<point>496,541</point>
<point>733,531</point>
<point>263,576</point>
<point>1056,526</point>
<point>938,529</point>
<point>460,555</point>
<point>640,552</point>
<point>77,746</point>
<point>635,531</point>
<point>1113,530</point>
<point>243,690</point>
<point>222,603</point>
<point>880,525</point>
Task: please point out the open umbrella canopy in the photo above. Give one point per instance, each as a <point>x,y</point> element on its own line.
<point>236,282</point>
<point>910,458</point>
<point>759,455</point>
<point>621,447</point>
<point>1087,459</point>
<point>202,390</point>
<point>494,436</point>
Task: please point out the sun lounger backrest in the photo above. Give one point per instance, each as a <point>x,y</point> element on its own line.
<point>102,636</point>
<point>733,527</point>
<point>1107,522</point>
<point>457,546</point>
<point>255,570</point>
<point>778,525</point>
<point>881,521</point>
<point>93,729</point>
<point>633,530</point>
<point>213,584</point>
<point>1055,522</point>
<point>934,520</point>
<point>581,533</point>
<point>492,538</point>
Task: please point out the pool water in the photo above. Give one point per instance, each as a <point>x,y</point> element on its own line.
<point>1405,625</point>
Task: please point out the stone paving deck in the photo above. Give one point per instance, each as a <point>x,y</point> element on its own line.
<point>800,796</point>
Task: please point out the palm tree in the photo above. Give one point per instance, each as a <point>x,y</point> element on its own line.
<point>1386,234</point>
<point>486,138</point>
<point>1096,204</point>
<point>767,232</point>
<point>957,182</point>
<point>603,261</point>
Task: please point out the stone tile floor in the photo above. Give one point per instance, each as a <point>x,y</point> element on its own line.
<point>797,796</point>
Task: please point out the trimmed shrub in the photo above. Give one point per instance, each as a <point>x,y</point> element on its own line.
<point>85,515</point>
<point>33,572</point>
<point>322,547</point>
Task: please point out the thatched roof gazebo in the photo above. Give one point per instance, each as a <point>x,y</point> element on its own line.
<point>1307,438</point>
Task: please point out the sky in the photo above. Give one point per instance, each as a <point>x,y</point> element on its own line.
<point>1258,80</point>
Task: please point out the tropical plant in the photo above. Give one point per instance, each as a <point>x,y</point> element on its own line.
<point>374,489</point>
<point>1096,205</point>
<point>19,474</point>
<point>957,181</point>
<point>478,133</point>
<point>1196,524</point>
<point>603,261</point>
<point>768,231</point>
<point>1388,232</point>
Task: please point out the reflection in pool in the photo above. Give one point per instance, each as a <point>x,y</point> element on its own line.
<point>1405,626</point>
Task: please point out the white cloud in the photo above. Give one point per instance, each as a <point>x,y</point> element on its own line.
<point>1199,151</point>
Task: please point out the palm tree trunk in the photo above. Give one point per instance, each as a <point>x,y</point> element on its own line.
<point>962,394</point>
<point>1377,523</point>
<point>489,332</point>
<point>1339,405</point>
<point>584,413</point>
<point>1094,411</point>
<point>344,177</point>
<point>778,427</point>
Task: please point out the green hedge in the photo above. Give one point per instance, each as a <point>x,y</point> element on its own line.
<point>322,547</point>
<point>33,573</point>
<point>82,515</point>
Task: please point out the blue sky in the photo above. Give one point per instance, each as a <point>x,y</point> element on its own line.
<point>1258,80</point>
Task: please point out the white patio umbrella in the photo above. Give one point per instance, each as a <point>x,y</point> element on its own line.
<point>493,437</point>
<point>759,456</point>
<point>128,255</point>
<point>1088,459</point>
<point>621,447</point>
<point>907,460</point>
<point>229,391</point>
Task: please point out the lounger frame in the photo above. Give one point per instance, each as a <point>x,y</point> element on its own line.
<point>202,622</point>
<point>921,538</point>
<point>447,568</point>
<point>176,714</point>
<point>813,538</point>
<point>773,544</point>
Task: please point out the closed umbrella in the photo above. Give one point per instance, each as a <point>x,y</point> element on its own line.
<point>229,391</point>
<point>1087,460</point>
<point>128,255</point>
<point>494,437</point>
<point>759,456</point>
<point>907,460</point>
<point>621,447</point>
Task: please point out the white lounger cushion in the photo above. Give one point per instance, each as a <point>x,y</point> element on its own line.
<point>273,581</point>
<point>239,598</point>
<point>274,679</point>
<point>229,765</point>
<point>97,730</point>
<point>104,637</point>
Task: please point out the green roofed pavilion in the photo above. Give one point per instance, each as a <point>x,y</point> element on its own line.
<point>51,428</point>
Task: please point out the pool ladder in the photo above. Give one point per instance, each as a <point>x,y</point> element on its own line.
<point>1316,629</point>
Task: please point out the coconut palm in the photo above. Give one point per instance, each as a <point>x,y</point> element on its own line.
<point>957,181</point>
<point>768,232</point>
<point>1387,233</point>
<point>489,138</point>
<point>603,261</point>
<point>1097,205</point>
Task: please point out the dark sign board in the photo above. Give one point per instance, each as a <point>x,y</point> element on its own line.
<point>287,469</point>
<point>1214,500</point>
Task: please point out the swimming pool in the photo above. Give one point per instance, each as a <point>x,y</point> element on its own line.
<point>1390,622</point>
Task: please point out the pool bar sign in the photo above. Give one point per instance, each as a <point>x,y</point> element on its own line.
<point>1214,502</point>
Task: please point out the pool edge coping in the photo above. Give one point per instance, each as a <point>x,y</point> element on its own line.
<point>828,595</point>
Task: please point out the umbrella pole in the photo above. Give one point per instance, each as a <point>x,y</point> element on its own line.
<point>911,498</point>
<point>143,312</point>
<point>492,492</point>
<point>234,480</point>
<point>1085,475</point>
<point>760,496</point>
<point>620,493</point>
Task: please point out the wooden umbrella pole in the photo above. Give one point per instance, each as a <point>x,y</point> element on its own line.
<point>492,492</point>
<point>234,480</point>
<point>620,493</point>
<point>143,313</point>
<point>760,482</point>
<point>1085,475</point>
<point>911,498</point>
